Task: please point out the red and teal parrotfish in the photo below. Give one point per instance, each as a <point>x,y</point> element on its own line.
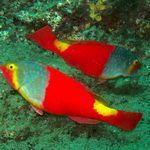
<point>49,90</point>
<point>99,60</point>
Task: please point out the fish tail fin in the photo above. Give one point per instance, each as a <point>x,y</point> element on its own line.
<point>45,38</point>
<point>127,120</point>
<point>122,119</point>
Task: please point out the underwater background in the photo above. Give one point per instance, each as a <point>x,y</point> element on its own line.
<point>120,22</point>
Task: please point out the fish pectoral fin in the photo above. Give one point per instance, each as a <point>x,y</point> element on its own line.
<point>102,79</point>
<point>82,120</point>
<point>37,110</point>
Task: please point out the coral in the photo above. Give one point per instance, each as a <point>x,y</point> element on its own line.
<point>37,13</point>
<point>97,9</point>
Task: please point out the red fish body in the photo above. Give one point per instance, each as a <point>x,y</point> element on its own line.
<point>75,100</point>
<point>95,59</point>
<point>81,56</point>
<point>51,91</point>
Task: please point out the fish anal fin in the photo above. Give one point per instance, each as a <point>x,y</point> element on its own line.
<point>82,120</point>
<point>37,110</point>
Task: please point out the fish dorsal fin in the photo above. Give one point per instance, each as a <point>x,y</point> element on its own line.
<point>100,99</point>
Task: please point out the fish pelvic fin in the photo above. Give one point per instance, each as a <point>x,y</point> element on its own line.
<point>37,110</point>
<point>45,38</point>
<point>121,119</point>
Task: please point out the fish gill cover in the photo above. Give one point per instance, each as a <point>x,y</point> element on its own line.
<point>120,22</point>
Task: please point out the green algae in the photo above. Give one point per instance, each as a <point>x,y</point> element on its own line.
<point>20,127</point>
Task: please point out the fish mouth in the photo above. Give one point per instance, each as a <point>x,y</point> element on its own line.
<point>1,69</point>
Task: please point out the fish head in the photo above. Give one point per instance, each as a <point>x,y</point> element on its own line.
<point>122,62</point>
<point>134,67</point>
<point>9,72</point>
<point>28,78</point>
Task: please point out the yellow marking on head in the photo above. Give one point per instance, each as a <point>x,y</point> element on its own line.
<point>62,46</point>
<point>14,69</point>
<point>104,110</point>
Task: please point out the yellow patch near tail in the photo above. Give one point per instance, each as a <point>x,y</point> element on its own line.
<point>62,46</point>
<point>101,109</point>
<point>15,80</point>
<point>14,68</point>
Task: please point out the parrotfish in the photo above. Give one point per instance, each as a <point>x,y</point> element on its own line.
<point>51,91</point>
<point>96,59</point>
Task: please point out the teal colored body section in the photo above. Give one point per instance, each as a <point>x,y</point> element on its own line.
<point>119,63</point>
<point>33,79</point>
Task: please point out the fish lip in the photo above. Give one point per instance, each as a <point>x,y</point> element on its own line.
<point>1,69</point>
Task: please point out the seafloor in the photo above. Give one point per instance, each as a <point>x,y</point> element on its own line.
<point>121,22</point>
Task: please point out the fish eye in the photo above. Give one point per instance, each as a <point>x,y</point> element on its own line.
<point>11,66</point>
<point>136,62</point>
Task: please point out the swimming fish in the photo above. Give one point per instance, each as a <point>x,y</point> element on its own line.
<point>49,90</point>
<point>99,60</point>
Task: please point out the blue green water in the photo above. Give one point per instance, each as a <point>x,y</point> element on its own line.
<point>120,22</point>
